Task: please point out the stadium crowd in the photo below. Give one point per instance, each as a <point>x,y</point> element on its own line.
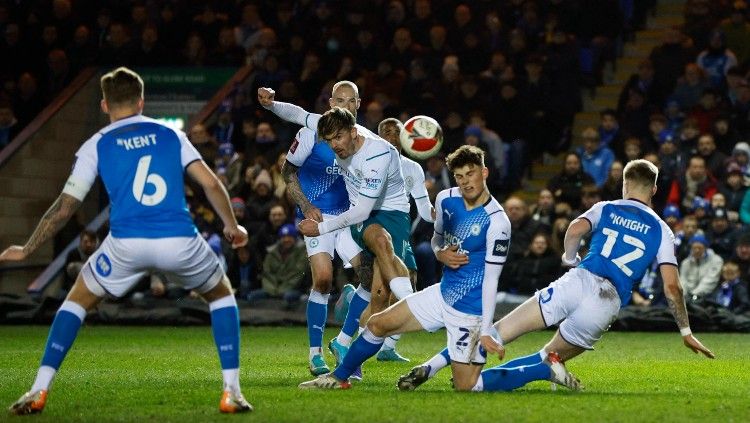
<point>505,76</point>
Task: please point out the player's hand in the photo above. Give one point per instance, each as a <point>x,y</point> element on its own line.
<point>451,257</point>
<point>313,213</point>
<point>491,346</point>
<point>573,263</point>
<point>13,253</point>
<point>236,235</point>
<point>309,227</point>
<point>694,344</point>
<point>265,97</point>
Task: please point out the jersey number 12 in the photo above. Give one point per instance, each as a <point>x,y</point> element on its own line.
<point>142,177</point>
<point>622,261</point>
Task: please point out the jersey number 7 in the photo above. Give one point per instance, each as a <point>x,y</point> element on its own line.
<point>622,261</point>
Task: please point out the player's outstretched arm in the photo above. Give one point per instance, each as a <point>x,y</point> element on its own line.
<point>576,230</point>
<point>676,302</point>
<point>289,172</point>
<point>55,218</point>
<point>287,111</point>
<point>219,199</point>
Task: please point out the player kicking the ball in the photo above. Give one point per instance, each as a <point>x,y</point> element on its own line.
<point>141,163</point>
<point>472,236</point>
<point>627,236</point>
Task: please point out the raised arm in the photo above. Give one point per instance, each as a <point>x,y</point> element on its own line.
<point>219,199</point>
<point>287,111</point>
<point>55,218</point>
<point>676,303</point>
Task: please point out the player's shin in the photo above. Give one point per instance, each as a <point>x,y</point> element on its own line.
<point>359,303</point>
<point>317,312</point>
<point>63,332</point>
<point>225,324</point>
<point>505,378</point>
<point>364,347</point>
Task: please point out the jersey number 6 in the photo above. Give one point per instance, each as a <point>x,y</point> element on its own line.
<point>624,259</point>
<point>142,177</point>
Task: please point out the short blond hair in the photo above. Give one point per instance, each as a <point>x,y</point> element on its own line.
<point>641,172</point>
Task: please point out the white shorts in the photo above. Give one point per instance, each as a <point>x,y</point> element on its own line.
<point>340,241</point>
<point>433,313</point>
<point>585,303</point>
<point>119,263</point>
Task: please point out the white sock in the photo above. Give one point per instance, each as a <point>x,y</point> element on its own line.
<point>479,387</point>
<point>344,339</point>
<point>231,380</point>
<point>44,377</point>
<point>360,330</point>
<point>436,363</point>
<point>400,287</point>
<point>390,342</point>
<point>543,354</point>
<point>315,351</point>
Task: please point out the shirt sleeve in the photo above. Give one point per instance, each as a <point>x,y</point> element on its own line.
<point>442,195</point>
<point>85,170</point>
<point>594,214</point>
<point>666,253</point>
<point>419,193</point>
<point>188,152</point>
<point>301,148</point>
<point>295,114</point>
<point>498,239</point>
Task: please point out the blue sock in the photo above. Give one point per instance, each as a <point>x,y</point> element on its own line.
<point>523,361</point>
<point>225,324</point>
<point>364,347</point>
<point>359,303</point>
<point>501,378</point>
<point>446,355</point>
<point>62,333</point>
<point>317,312</point>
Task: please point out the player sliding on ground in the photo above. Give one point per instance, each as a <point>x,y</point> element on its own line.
<point>472,236</point>
<point>141,163</point>
<point>627,236</point>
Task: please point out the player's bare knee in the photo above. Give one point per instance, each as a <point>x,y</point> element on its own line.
<point>378,325</point>
<point>464,385</point>
<point>322,282</point>
<point>382,244</point>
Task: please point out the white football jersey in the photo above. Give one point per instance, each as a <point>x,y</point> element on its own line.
<point>413,178</point>
<point>375,172</point>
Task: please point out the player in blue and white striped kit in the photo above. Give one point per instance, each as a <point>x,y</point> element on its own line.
<point>142,164</point>
<point>627,236</point>
<point>472,236</point>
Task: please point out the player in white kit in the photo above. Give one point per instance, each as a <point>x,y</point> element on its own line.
<point>142,164</point>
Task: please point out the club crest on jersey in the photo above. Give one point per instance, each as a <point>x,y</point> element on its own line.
<point>409,181</point>
<point>501,247</point>
<point>475,229</point>
<point>103,265</point>
<point>546,295</point>
<point>314,242</point>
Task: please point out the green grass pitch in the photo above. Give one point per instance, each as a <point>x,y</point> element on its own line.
<point>172,374</point>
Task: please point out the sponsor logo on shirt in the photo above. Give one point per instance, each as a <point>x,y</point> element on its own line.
<point>501,247</point>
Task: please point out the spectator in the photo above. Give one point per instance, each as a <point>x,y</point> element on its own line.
<point>714,159</point>
<point>544,209</point>
<point>690,87</point>
<point>716,59</point>
<point>596,157</point>
<point>243,272</point>
<point>566,186</point>
<point>672,160</point>
<point>9,127</point>
<point>266,143</point>
<point>437,173</point>
<point>28,101</point>
<point>741,255</point>
<point>696,182</point>
<point>725,134</point>
<point>204,143</point>
<point>634,115</point>
<point>671,216</point>
<point>720,234</point>
<point>612,187</point>
<point>741,157</point>
<point>733,188</point>
<point>688,138</point>
<point>87,243</point>
<point>699,273</point>
<point>633,149</point>
<point>737,32</point>
<point>644,81</point>
<point>261,200</point>
<point>283,268</point>
<point>690,228</point>
<point>731,293</point>
<point>706,111</point>
<point>523,227</point>
<point>538,265</point>
<point>559,227</point>
<point>669,59</point>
